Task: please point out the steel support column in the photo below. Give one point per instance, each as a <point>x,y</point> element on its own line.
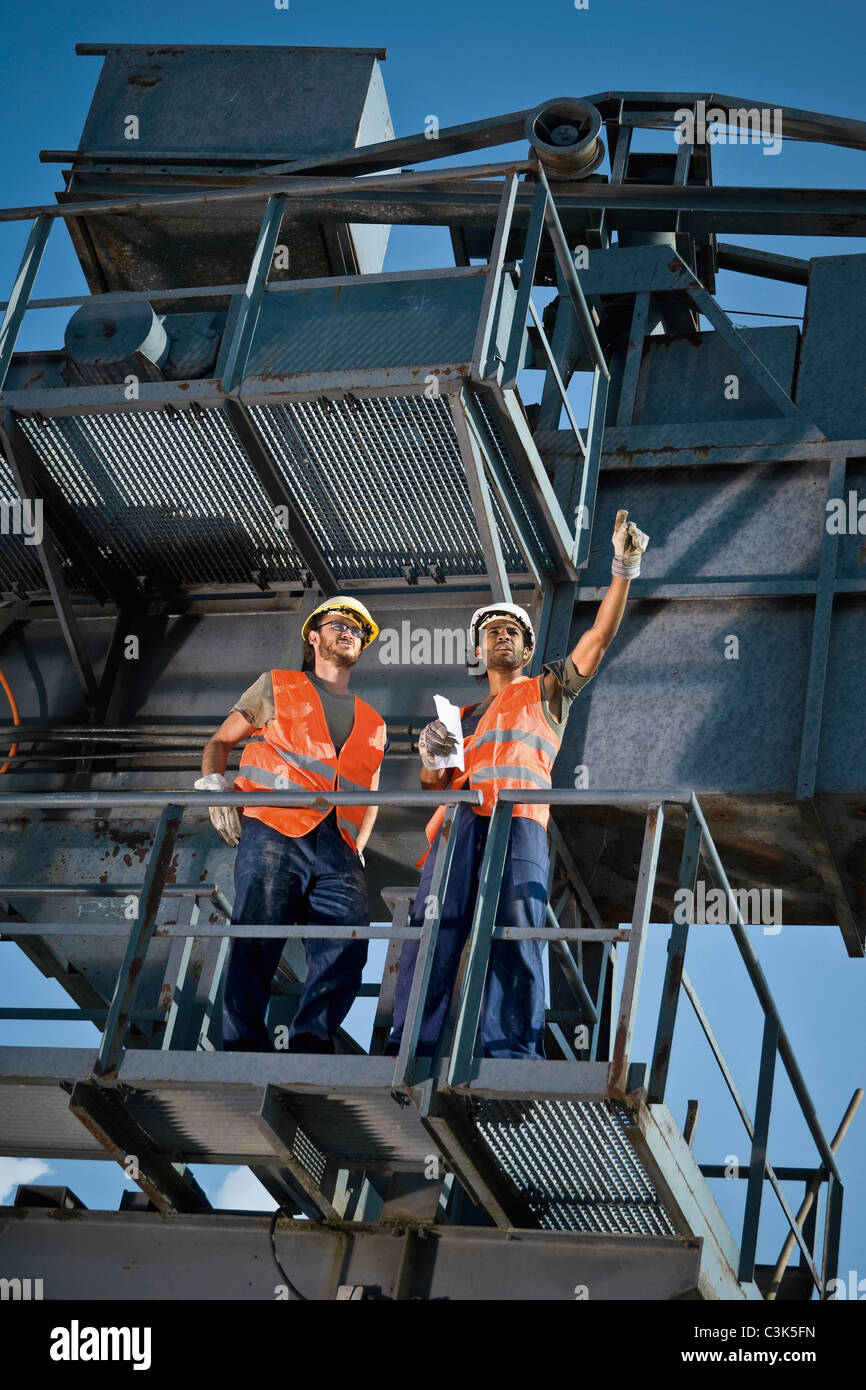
<point>482,506</point>
<point>531,247</point>
<point>123,999</point>
<point>637,941</point>
<point>584,507</point>
<point>757,1163</point>
<point>676,960</point>
<point>820,646</point>
<point>481,935</point>
<point>404,1067</point>
<point>20,293</point>
<point>248,309</point>
<point>492,284</point>
<point>634,355</point>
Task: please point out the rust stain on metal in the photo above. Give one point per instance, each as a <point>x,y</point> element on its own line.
<point>131,838</point>
<point>165,997</point>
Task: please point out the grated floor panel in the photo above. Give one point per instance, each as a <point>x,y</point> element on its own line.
<point>572,1163</point>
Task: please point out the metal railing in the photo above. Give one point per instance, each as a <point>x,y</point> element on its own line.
<point>543,215</point>
<point>249,297</point>
<point>697,841</point>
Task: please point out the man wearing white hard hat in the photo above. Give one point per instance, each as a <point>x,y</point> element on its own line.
<point>510,740</point>
<point>305,731</point>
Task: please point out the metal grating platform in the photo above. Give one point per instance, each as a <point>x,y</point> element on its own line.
<point>381,482</point>
<point>173,498</point>
<point>572,1164</point>
<point>569,1162</point>
<point>19,562</point>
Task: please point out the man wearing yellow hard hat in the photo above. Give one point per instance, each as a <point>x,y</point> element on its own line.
<point>305,731</point>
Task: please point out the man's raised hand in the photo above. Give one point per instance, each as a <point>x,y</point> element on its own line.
<point>629,544</point>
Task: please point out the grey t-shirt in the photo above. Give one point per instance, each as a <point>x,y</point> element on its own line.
<point>571,681</point>
<point>257,706</point>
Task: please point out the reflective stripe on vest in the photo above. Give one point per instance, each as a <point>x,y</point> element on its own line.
<point>272,758</point>
<point>547,745</point>
<point>499,771</point>
<point>513,746</point>
<point>299,760</point>
<point>348,826</point>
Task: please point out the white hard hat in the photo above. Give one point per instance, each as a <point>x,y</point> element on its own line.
<point>482,616</point>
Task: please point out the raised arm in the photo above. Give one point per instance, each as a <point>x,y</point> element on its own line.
<point>593,643</point>
<point>629,543</point>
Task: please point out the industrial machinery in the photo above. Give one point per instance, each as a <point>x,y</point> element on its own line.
<point>243,417</point>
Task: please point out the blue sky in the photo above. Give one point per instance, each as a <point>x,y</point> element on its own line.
<point>463,64</point>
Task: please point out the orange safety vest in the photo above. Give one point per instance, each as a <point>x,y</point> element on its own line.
<point>272,758</point>
<point>513,746</point>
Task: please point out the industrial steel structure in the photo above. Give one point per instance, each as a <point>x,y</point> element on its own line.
<point>247,413</point>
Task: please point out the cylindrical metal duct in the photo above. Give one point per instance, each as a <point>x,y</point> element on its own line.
<point>564,133</point>
<point>100,334</point>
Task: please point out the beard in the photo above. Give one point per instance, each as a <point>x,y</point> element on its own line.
<point>331,650</point>
<point>505,660</point>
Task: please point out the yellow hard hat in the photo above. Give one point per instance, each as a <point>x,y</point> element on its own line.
<point>350,606</point>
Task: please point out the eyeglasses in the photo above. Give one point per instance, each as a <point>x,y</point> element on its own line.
<point>342,627</point>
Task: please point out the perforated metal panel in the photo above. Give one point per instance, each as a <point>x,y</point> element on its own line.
<point>172,498</point>
<point>380,481</point>
<point>19,562</point>
<point>573,1164</point>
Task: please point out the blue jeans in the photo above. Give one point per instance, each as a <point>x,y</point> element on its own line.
<point>281,881</point>
<point>512,1013</point>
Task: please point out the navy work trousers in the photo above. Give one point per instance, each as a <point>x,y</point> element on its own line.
<point>282,880</point>
<point>512,1014</point>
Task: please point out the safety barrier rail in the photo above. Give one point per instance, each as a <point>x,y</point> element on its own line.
<point>697,842</point>
<point>543,215</point>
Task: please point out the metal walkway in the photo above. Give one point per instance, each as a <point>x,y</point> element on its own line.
<point>583,1145</point>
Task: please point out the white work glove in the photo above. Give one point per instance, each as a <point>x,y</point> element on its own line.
<point>224,819</point>
<point>434,742</point>
<point>629,544</point>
